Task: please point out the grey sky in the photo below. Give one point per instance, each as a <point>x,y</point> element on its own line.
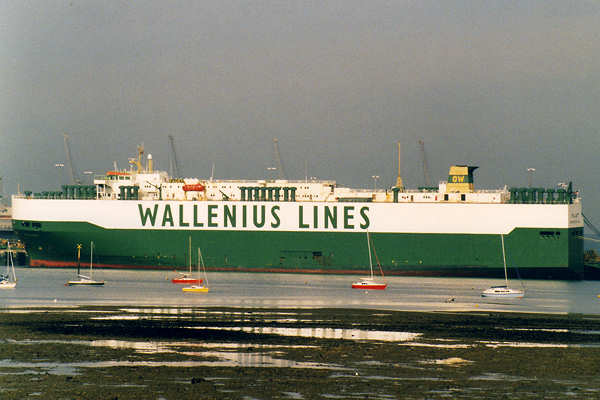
<point>504,85</point>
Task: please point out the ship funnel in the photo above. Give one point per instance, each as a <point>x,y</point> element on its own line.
<point>149,162</point>
<point>460,179</point>
<point>399,183</point>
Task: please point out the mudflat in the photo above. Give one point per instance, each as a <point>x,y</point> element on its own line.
<point>169,353</point>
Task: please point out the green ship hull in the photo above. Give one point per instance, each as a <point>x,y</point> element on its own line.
<point>533,253</point>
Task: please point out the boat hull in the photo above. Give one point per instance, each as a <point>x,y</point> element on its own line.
<point>542,241</point>
<point>372,286</point>
<point>195,289</point>
<point>187,281</point>
<point>85,283</point>
<point>399,254</point>
<point>8,285</point>
<point>503,292</point>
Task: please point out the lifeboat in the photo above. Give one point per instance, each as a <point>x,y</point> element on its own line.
<point>193,188</point>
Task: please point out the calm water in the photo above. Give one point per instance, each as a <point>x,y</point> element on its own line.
<point>46,287</point>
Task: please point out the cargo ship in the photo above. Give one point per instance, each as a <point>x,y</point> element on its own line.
<point>142,218</point>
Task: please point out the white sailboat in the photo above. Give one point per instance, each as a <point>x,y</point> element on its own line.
<point>201,287</point>
<point>503,291</point>
<point>84,280</point>
<point>370,282</point>
<point>9,279</point>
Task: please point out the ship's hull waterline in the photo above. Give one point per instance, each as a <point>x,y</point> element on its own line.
<point>542,241</point>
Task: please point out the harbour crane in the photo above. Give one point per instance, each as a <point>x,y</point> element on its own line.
<point>590,225</point>
<point>277,156</point>
<point>426,177</point>
<point>73,175</point>
<point>173,164</point>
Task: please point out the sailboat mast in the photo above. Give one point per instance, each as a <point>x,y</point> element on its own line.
<point>190,253</point>
<point>91,257</point>
<point>369,247</point>
<point>504,259</point>
<point>200,259</point>
<point>78,258</point>
<point>10,264</point>
<point>8,255</point>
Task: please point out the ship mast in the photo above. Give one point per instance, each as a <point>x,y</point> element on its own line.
<point>138,162</point>
<point>399,183</point>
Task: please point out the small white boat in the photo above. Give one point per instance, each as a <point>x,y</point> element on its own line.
<point>369,282</point>
<point>7,284</point>
<point>201,287</point>
<point>85,281</point>
<point>9,279</point>
<point>503,291</point>
<point>82,279</point>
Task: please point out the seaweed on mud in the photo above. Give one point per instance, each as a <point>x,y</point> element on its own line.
<point>456,355</point>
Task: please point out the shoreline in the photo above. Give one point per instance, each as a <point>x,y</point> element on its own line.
<point>127,352</point>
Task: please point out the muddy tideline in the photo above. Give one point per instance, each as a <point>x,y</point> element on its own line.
<point>235,353</point>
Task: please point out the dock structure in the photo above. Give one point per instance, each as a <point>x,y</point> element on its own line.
<point>19,255</point>
<point>17,249</point>
<point>5,217</point>
<point>5,225</point>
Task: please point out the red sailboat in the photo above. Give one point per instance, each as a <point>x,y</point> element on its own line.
<point>370,283</point>
<point>187,278</point>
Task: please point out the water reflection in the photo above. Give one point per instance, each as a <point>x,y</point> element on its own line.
<point>528,345</point>
<point>200,354</point>
<point>223,359</point>
<point>452,361</point>
<point>323,333</point>
<point>136,288</point>
<point>500,377</point>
